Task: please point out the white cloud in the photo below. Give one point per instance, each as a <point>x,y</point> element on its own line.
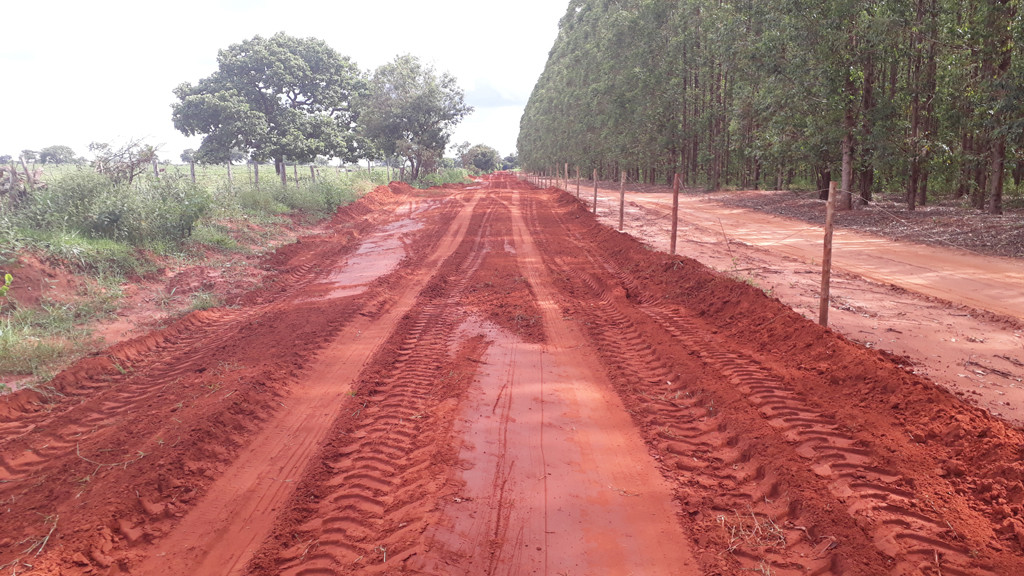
<point>104,70</point>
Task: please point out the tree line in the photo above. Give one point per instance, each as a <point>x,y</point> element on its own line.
<point>289,99</point>
<point>916,97</point>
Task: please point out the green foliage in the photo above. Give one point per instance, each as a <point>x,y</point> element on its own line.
<point>5,287</point>
<point>448,176</point>
<point>173,206</point>
<point>87,222</point>
<point>763,93</point>
<point>36,341</point>
<point>57,155</point>
<point>92,205</point>
<point>273,97</point>
<point>101,256</point>
<point>481,159</point>
<point>410,111</point>
<point>70,203</point>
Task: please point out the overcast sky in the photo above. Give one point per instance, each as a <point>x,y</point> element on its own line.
<point>78,71</point>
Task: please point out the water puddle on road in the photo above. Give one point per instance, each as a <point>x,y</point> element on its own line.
<point>379,254</point>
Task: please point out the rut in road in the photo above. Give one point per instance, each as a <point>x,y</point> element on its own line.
<point>787,449</point>
<point>900,519</point>
<point>370,493</point>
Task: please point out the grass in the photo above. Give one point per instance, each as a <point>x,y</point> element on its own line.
<point>37,342</point>
<point>752,531</point>
<point>69,224</point>
<point>110,233</point>
<point>203,300</point>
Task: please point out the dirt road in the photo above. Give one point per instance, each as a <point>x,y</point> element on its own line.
<point>957,276</point>
<point>952,316</point>
<point>485,380</point>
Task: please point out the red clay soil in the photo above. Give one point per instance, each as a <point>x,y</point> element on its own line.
<point>485,380</point>
<point>954,317</point>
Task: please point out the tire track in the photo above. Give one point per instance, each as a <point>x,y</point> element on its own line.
<point>870,493</point>
<point>201,342</point>
<point>127,375</point>
<point>899,525</point>
<point>755,519</point>
<point>203,382</point>
<point>371,509</point>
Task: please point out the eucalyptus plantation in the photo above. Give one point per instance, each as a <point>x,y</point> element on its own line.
<point>915,97</point>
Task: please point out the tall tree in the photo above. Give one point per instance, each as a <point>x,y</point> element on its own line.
<point>274,98</point>
<point>410,111</point>
<point>911,97</point>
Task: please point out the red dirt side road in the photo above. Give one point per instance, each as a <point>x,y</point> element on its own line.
<point>488,381</point>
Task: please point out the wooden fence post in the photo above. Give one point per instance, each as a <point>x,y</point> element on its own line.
<point>577,182</point>
<point>566,172</point>
<point>191,170</point>
<point>826,260</point>
<point>675,213</point>
<point>312,173</point>
<point>622,198</point>
<point>295,172</point>
<point>283,166</point>
<point>256,173</point>
<point>231,183</point>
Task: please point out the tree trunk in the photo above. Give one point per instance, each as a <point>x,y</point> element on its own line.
<point>867,153</point>
<point>824,177</point>
<point>995,178</point>
<point>997,54</point>
<point>845,197</point>
<point>928,120</point>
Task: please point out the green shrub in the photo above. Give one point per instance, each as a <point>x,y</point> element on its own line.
<point>172,206</point>
<point>91,205</point>
<point>259,201</point>
<point>447,176</point>
<point>212,234</point>
<point>69,203</point>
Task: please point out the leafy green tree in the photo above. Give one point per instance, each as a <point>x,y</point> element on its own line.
<point>57,155</point>
<point>29,155</point>
<point>481,158</point>
<point>410,111</point>
<point>5,158</point>
<point>188,156</point>
<point>510,162</point>
<point>273,98</point>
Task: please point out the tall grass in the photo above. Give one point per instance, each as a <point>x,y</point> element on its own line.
<point>106,230</point>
